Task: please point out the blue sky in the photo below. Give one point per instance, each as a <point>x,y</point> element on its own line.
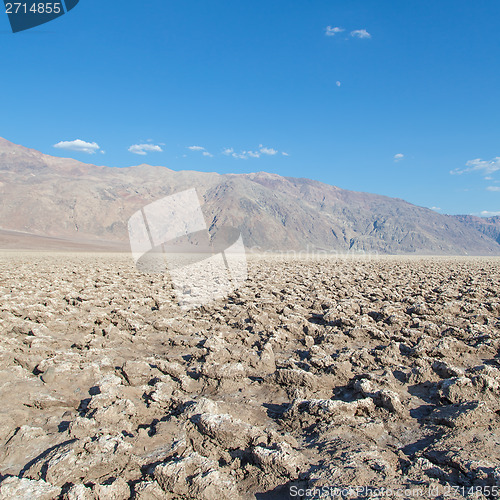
<point>341,87</point>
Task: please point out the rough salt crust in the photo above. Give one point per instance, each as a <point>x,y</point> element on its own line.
<point>317,372</point>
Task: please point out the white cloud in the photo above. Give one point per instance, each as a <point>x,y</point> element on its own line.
<point>79,146</point>
<point>246,154</point>
<point>338,83</point>
<point>486,213</point>
<point>360,34</point>
<point>436,209</point>
<point>485,167</point>
<point>144,149</point>
<point>493,188</point>
<point>398,157</point>
<point>267,151</point>
<point>203,151</point>
<point>241,156</point>
<point>333,31</point>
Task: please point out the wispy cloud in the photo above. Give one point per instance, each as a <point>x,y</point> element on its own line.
<point>485,167</point>
<point>246,154</point>
<point>240,156</point>
<point>493,188</point>
<point>144,149</point>
<point>338,83</point>
<point>486,213</point>
<point>332,31</point>
<point>436,209</point>
<point>360,34</point>
<point>329,31</point>
<point>267,151</point>
<point>202,150</point>
<point>79,146</point>
<point>398,157</point>
<point>285,154</point>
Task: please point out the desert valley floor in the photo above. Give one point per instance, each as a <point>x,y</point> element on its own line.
<point>316,374</point>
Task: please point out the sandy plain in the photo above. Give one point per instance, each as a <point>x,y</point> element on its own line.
<point>318,373</point>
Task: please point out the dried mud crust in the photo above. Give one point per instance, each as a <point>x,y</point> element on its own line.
<point>317,373</point>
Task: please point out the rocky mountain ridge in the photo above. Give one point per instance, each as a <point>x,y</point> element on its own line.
<point>70,203</point>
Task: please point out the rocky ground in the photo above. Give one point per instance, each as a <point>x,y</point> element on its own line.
<point>361,373</point>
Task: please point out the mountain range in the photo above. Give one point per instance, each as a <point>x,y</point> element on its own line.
<point>57,203</point>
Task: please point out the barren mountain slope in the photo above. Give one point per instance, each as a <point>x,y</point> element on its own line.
<point>490,226</point>
<point>63,198</point>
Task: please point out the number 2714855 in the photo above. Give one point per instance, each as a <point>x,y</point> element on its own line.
<point>34,8</point>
